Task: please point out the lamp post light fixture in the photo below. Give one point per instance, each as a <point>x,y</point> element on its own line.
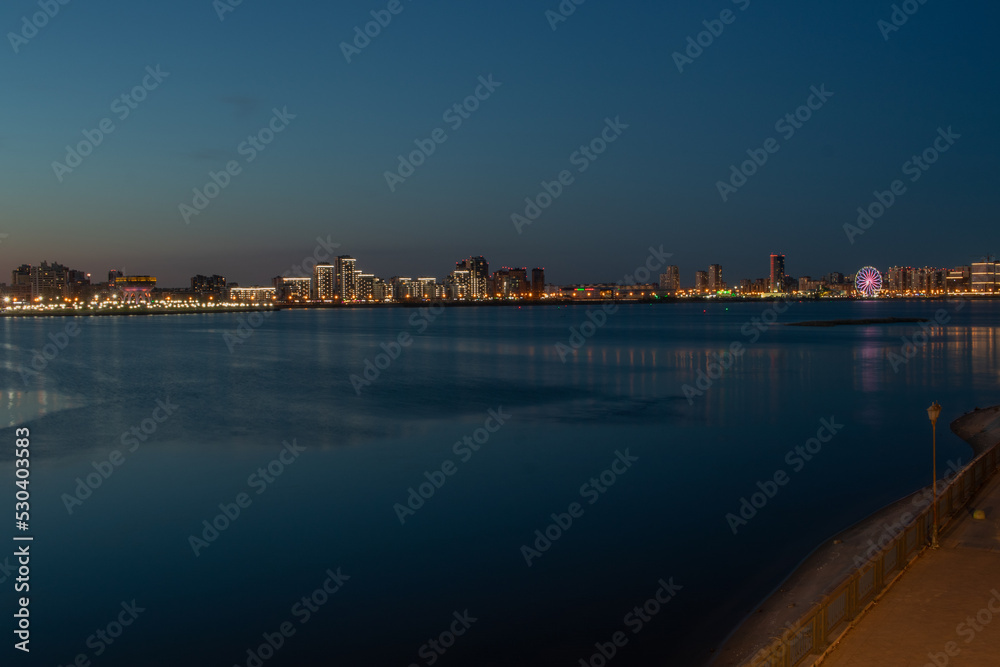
<point>933,413</point>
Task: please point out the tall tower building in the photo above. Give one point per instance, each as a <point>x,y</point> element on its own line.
<point>324,282</point>
<point>479,273</point>
<point>458,283</point>
<point>479,270</point>
<point>777,273</point>
<point>366,286</point>
<point>715,278</point>
<point>701,281</point>
<point>537,283</point>
<point>346,269</point>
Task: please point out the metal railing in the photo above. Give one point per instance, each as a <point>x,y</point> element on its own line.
<point>806,640</point>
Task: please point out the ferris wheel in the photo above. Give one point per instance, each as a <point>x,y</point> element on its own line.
<point>868,281</point>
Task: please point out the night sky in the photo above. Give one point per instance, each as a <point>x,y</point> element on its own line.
<point>656,184</point>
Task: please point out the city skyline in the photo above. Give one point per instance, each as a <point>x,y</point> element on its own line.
<point>329,278</point>
<point>174,277</point>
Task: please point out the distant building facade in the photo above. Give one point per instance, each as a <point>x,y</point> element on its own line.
<point>671,280</point>
<point>715,283</point>
<point>214,285</point>
<point>254,294</point>
<point>296,289</point>
<point>984,276</point>
<point>537,283</point>
<point>701,282</point>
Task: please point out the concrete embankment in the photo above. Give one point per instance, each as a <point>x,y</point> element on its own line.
<point>835,560</point>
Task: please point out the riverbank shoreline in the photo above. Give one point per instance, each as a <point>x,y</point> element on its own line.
<point>130,312</point>
<point>544,303</point>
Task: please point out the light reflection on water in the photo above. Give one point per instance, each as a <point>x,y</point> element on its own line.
<point>623,388</point>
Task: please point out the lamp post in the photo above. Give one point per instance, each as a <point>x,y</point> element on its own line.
<point>933,413</point>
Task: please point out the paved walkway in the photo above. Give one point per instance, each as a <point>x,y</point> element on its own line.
<point>945,610</point>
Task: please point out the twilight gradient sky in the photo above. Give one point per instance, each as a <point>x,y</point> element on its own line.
<point>655,186</point>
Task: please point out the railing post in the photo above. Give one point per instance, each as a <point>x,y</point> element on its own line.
<point>879,567</point>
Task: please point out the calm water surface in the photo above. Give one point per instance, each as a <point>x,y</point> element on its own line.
<point>333,506</point>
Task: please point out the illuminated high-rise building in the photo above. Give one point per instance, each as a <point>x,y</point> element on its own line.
<point>459,284</point>
<point>479,269</point>
<point>346,269</point>
<point>365,286</point>
<point>777,273</point>
<point>479,272</point>
<point>294,288</point>
<point>48,280</point>
<point>701,281</point>
<point>324,282</point>
<point>985,276</point>
<point>430,289</point>
<point>671,280</point>
<point>715,278</point>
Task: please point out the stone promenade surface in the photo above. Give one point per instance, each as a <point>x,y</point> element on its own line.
<point>945,610</point>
